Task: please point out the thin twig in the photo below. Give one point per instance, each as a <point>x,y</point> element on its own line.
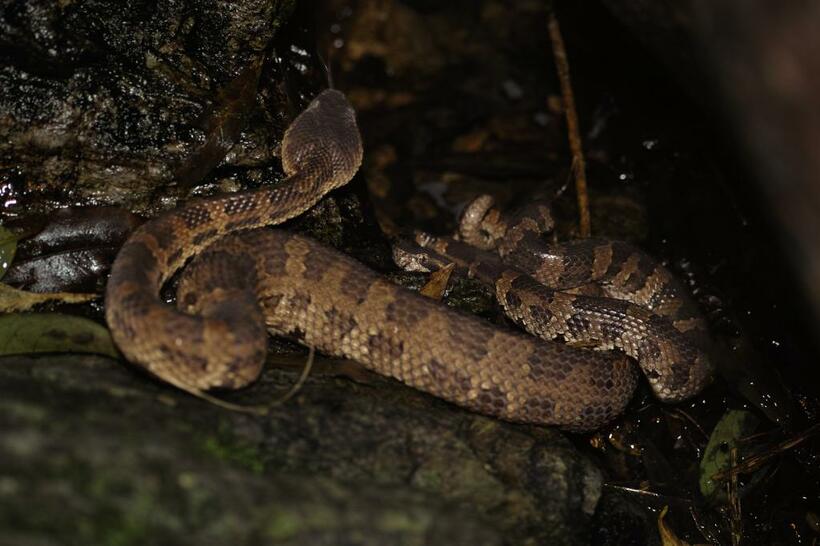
<point>253,410</point>
<point>634,490</point>
<point>578,163</point>
<point>256,410</point>
<point>677,412</point>
<point>302,378</point>
<point>736,521</point>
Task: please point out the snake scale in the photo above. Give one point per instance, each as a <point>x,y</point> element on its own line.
<point>241,284</point>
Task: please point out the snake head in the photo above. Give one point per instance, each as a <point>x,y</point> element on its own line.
<point>323,142</point>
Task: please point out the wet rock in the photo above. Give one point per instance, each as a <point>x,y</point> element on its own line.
<point>106,454</point>
<point>102,105</point>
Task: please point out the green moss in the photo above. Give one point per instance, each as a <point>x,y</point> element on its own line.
<point>226,446</point>
<point>234,452</point>
<point>427,478</point>
<point>403,522</point>
<point>284,9</point>
<point>125,512</point>
<point>133,526</point>
<point>283,525</point>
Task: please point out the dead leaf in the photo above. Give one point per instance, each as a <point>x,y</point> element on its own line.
<point>437,282</point>
<point>12,299</point>
<point>668,537</point>
<point>8,246</point>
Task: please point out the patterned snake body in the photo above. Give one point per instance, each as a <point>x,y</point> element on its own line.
<point>674,361</point>
<point>291,285</point>
<point>321,150</point>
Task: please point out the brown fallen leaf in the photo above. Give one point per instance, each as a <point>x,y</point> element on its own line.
<point>70,250</point>
<point>437,282</point>
<point>8,246</point>
<point>80,270</point>
<point>12,299</point>
<point>668,537</point>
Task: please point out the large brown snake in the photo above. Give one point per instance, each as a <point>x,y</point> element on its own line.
<point>294,286</point>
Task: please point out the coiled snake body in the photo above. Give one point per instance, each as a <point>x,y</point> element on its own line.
<point>288,284</point>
